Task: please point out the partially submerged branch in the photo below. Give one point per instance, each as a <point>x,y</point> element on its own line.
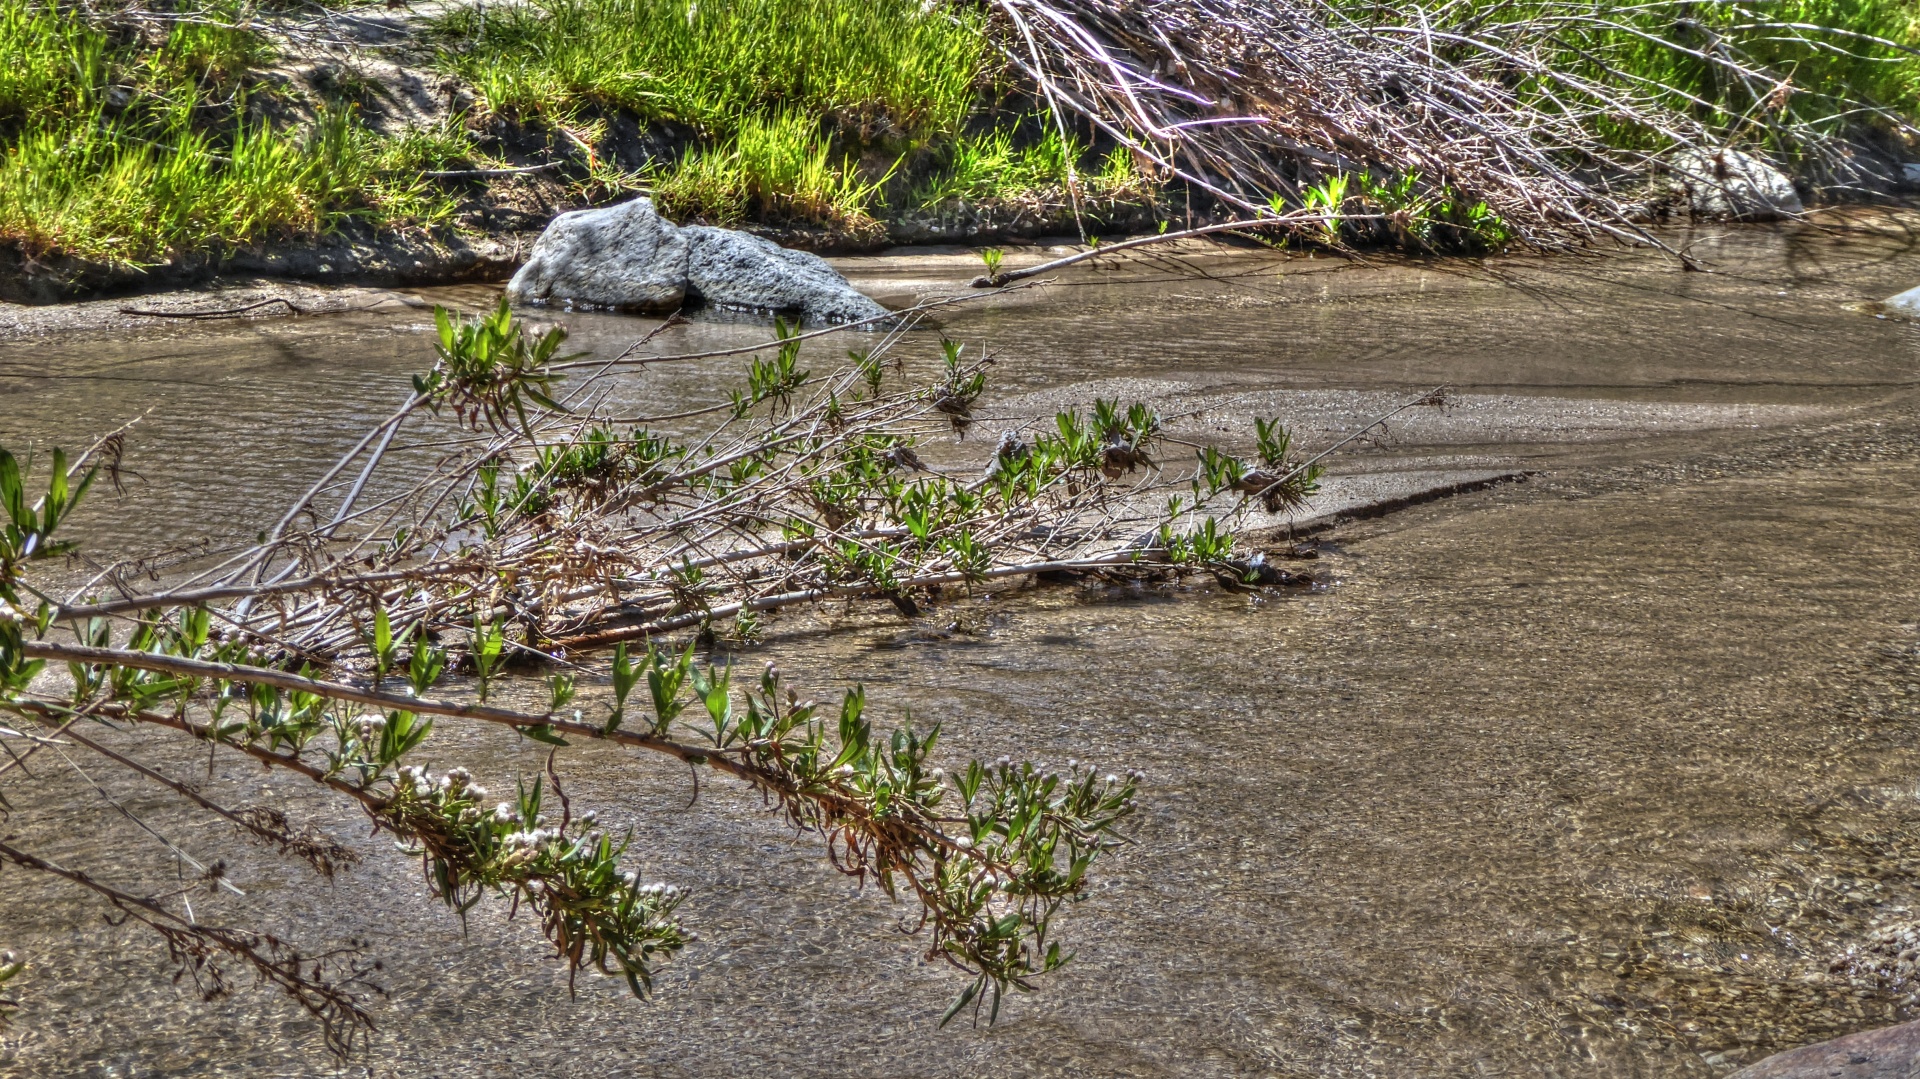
<point>547,531</point>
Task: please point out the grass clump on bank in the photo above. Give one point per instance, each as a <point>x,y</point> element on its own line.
<point>879,68</point>
<point>775,166</point>
<point>800,111</point>
<point>133,142</point>
<point>993,165</point>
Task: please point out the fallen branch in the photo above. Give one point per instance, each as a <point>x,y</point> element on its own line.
<point>225,312</point>
<point>1000,280</point>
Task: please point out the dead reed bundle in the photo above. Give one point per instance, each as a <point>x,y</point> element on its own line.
<point>1552,115</point>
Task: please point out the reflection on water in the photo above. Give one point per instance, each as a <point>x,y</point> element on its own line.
<point>1612,773</point>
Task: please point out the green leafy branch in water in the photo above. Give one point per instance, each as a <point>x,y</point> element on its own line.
<point>1203,545</point>
<point>956,393</point>
<point>989,857</point>
<point>776,379</point>
<point>488,370</point>
<point>991,258</point>
<point>542,537</point>
<point>27,532</point>
<point>568,871</point>
<point>26,535</point>
<point>1279,483</point>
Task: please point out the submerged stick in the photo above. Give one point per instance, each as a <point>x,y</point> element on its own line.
<point>1003,279</point>
<point>224,312</point>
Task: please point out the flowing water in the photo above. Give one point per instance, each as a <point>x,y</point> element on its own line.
<point>1614,772</point>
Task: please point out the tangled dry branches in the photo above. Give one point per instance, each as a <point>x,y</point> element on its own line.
<point>1535,110</point>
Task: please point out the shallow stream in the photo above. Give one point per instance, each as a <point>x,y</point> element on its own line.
<point>1613,772</point>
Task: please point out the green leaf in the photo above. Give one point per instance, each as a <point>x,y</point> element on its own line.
<point>966,997</point>
<point>546,402</point>
<point>543,733</point>
<point>13,492</point>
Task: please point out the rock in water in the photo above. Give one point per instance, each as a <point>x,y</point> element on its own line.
<point>1728,183</point>
<point>1906,304</point>
<point>629,257</point>
<point>733,269</point>
<point>1887,1053</point>
<point>624,256</point>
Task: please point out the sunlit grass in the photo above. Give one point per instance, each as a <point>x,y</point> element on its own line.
<point>994,166</point>
<point>775,167</point>
<point>802,110</point>
<point>128,154</point>
<point>1834,54</point>
<point>875,67</point>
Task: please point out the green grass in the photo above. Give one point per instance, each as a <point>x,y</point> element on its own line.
<point>778,167</point>
<point>804,109</point>
<point>1826,69</point>
<point>879,68</point>
<point>993,166</point>
<point>128,153</point>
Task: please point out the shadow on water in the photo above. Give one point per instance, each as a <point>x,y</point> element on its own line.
<point>1613,773</point>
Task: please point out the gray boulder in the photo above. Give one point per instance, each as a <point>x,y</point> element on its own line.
<point>1729,183</point>
<point>624,256</point>
<point>1887,1053</point>
<point>744,272</point>
<point>1906,304</point>
<point>630,258</point>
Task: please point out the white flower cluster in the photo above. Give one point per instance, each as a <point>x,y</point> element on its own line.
<point>663,891</point>
<point>533,840</point>
<point>457,782</point>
